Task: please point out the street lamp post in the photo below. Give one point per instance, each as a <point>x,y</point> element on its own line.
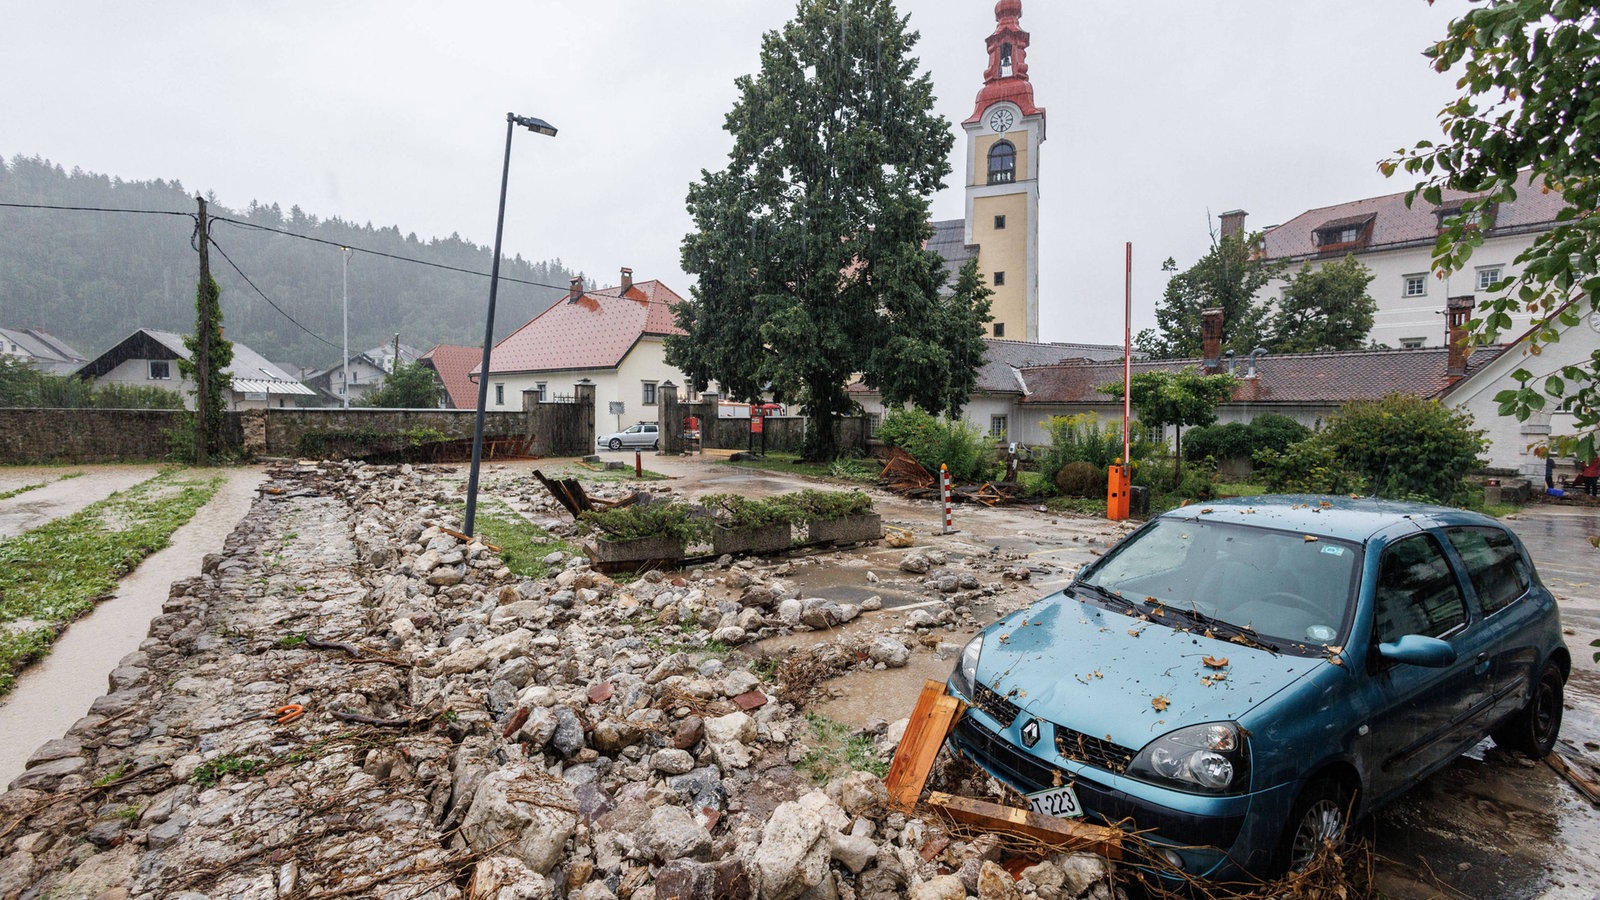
<point>537,126</point>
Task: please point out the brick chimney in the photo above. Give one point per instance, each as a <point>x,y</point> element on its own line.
<point>627,279</point>
<point>1211,340</point>
<point>575,289</point>
<point>1457,311</point>
<point>1233,222</point>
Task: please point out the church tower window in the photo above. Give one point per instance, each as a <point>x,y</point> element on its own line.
<point>1002,163</point>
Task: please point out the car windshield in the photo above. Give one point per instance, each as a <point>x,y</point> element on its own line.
<point>1286,586</point>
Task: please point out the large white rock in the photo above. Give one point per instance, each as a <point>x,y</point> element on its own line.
<point>504,878</point>
<point>731,727</point>
<point>523,812</point>
<point>673,833</point>
<point>794,853</point>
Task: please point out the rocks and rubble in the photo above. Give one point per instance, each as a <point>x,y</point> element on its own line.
<point>471,733</point>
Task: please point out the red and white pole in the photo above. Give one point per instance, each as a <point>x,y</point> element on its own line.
<point>944,492</point>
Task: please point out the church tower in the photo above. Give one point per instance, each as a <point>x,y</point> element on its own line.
<point>1003,137</point>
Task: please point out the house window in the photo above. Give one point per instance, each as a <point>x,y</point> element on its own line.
<point>649,393</point>
<point>540,392</point>
<point>999,279</point>
<point>999,329</point>
<point>1002,163</point>
<point>1487,276</point>
<point>1416,285</point>
<point>1412,343</point>
<point>999,223</point>
<point>997,426</point>
<point>500,395</point>
<point>160,370</point>
<point>873,421</point>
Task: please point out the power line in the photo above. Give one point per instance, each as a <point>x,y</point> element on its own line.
<point>142,212</point>
<point>269,299</point>
<point>394,256</point>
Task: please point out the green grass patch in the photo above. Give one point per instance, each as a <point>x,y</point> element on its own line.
<point>208,774</point>
<point>1239,489</point>
<point>607,476</point>
<point>522,545</point>
<point>7,495</point>
<point>836,752</point>
<point>58,571</point>
<point>1083,506</point>
<point>861,471</point>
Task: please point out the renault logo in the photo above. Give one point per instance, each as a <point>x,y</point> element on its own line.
<point>1030,733</point>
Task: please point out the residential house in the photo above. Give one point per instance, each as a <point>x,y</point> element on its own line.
<point>454,365</point>
<point>992,408</point>
<point>614,337</point>
<point>1396,241</point>
<point>149,358</point>
<point>362,374</point>
<point>40,349</point>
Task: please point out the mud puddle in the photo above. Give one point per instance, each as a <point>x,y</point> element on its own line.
<point>53,694</point>
<point>65,491</point>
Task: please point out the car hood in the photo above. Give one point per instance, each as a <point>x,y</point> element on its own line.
<point>1125,679</point>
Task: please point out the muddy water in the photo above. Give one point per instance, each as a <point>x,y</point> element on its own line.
<point>60,496</point>
<point>53,694</point>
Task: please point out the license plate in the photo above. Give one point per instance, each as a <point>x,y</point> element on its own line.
<point>1060,802</point>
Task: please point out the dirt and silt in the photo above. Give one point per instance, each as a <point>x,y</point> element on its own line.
<point>1489,826</point>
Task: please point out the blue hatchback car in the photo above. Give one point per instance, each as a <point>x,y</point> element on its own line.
<point>1238,679</point>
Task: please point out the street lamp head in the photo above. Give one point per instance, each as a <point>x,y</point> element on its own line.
<point>537,126</point>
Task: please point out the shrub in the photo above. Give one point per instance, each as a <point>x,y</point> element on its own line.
<point>1309,467</point>
<point>670,518</point>
<point>739,512</point>
<point>932,441</point>
<point>1080,479</point>
<point>812,505</point>
<point>1087,438</point>
<point>1238,439</point>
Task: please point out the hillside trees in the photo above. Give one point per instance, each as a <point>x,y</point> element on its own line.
<point>1529,76</point>
<point>808,245</point>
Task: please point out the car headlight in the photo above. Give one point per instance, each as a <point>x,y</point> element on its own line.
<point>966,671</point>
<point>1210,758</point>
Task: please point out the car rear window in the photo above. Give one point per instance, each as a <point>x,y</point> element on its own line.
<point>1497,568</point>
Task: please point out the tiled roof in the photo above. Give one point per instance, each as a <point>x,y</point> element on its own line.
<point>454,365</point>
<point>950,241</point>
<point>1290,378</point>
<point>1395,224</point>
<point>594,331</point>
<point>1002,359</point>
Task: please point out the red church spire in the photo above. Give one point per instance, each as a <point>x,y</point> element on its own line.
<point>1006,78</point>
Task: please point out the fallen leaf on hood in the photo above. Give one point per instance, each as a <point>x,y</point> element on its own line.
<point>1215,662</point>
<point>1135,632</point>
<point>1336,660</point>
<point>1160,704</point>
<point>1310,538</point>
<point>1325,504</point>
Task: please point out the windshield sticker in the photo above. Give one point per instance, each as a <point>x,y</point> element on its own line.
<point>1332,550</point>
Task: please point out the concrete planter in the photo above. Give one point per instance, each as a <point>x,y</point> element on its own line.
<point>637,552</point>
<point>766,539</point>
<point>849,530</point>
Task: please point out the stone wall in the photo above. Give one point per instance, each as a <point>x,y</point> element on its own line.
<point>34,436</point>
<point>336,432</point>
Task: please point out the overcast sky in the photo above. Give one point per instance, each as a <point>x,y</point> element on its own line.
<point>1160,114</point>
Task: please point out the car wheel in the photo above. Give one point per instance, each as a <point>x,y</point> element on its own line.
<point>1320,816</point>
<point>1533,730</point>
<point>656,445</point>
<point>616,444</point>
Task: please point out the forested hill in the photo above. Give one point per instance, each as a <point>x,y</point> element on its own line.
<point>92,278</point>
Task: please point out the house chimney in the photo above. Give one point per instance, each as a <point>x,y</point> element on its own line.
<point>1233,222</point>
<point>1457,311</point>
<point>627,279</point>
<point>575,289</point>
<point>1211,340</point>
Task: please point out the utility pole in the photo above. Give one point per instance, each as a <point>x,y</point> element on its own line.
<point>344,368</point>
<point>395,366</point>
<point>202,369</point>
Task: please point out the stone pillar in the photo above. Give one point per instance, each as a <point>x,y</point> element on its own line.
<point>583,395</point>
<point>534,431</point>
<point>671,418</point>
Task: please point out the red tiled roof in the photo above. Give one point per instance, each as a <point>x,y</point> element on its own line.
<point>454,363</point>
<point>1292,378</point>
<point>1394,223</point>
<point>593,332</point>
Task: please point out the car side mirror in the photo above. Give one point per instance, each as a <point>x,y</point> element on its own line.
<point>1418,650</point>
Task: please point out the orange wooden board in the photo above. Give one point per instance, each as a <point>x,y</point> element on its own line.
<point>931,720</point>
<point>1063,834</point>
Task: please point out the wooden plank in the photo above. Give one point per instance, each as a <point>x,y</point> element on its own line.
<point>931,720</point>
<point>1585,785</point>
<point>1059,834</point>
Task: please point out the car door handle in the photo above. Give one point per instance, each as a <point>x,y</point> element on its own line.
<point>1483,664</point>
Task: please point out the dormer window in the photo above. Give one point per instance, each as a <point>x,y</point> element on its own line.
<point>1002,163</point>
<point>1346,234</point>
<point>1473,219</point>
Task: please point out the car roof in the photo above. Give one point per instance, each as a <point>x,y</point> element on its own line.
<point>1350,518</point>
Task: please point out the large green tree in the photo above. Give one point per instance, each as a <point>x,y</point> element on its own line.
<point>809,245</point>
<point>211,418</point>
<point>1161,398</point>
<point>409,386</point>
<point>1323,309</point>
<point>1525,120</point>
<point>1228,278</point>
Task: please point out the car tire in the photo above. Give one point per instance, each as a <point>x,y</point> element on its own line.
<point>656,445</point>
<point>1533,730</point>
<point>615,444</point>
<point>1321,813</point>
